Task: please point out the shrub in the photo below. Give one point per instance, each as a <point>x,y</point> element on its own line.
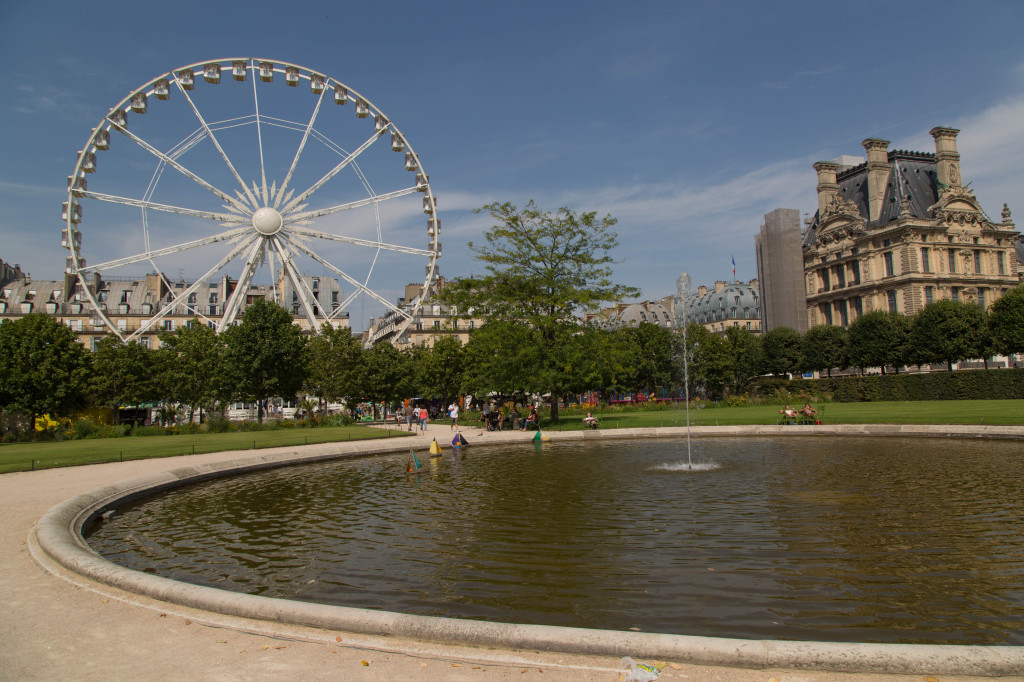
<point>83,428</point>
<point>219,424</point>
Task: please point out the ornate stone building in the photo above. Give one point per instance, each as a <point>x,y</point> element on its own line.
<point>899,231</point>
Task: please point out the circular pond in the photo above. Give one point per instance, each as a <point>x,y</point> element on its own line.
<point>838,538</point>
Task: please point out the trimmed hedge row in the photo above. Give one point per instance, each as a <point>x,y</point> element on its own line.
<point>995,384</point>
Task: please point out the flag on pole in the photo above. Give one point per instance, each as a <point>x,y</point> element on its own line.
<point>734,267</point>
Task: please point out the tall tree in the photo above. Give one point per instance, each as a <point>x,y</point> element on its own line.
<point>544,269</point>
<point>388,374</point>
<point>826,347</point>
<point>500,358</point>
<point>875,340</point>
<point>650,356</point>
<point>265,355</point>
<point>439,368</point>
<point>43,368</point>
<point>337,366</point>
<point>709,364</point>
<point>1006,322</point>
<point>783,351</point>
<point>195,353</point>
<point>746,351</point>
<point>949,331</point>
<point>125,374</point>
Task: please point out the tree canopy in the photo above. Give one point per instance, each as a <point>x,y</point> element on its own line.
<point>43,368</point>
<point>949,331</point>
<point>543,270</point>
<point>265,355</point>
<point>1006,322</point>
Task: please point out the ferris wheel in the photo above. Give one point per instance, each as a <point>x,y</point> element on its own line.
<point>271,184</point>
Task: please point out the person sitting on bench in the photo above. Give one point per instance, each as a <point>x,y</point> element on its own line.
<point>590,421</point>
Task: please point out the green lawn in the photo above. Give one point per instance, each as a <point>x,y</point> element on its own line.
<point>25,456</point>
<point>990,412</point>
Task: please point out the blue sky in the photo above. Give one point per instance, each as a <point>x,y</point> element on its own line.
<point>686,121</point>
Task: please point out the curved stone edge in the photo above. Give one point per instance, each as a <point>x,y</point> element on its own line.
<point>59,534</point>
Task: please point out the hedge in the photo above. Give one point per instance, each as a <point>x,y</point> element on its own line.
<point>993,384</point>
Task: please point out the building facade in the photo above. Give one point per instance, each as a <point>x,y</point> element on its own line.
<point>131,304</point>
<point>633,314</point>
<point>433,321</point>
<point>899,231</point>
<point>779,250</point>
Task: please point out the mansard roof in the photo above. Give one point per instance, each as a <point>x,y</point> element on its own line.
<point>913,182</point>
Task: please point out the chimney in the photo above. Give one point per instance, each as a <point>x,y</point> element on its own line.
<point>827,187</point>
<point>878,174</point>
<point>947,158</point>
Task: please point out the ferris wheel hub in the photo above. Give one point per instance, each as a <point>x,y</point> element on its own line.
<point>267,221</point>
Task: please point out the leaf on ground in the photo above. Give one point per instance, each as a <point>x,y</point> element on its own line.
<point>338,638</point>
<point>365,663</point>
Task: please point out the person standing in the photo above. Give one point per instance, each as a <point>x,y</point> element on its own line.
<point>409,409</point>
<point>424,418</point>
<point>453,412</point>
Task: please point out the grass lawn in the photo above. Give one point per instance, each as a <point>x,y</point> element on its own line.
<point>990,412</point>
<point>26,456</point>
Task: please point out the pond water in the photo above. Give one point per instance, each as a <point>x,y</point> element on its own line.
<point>842,539</point>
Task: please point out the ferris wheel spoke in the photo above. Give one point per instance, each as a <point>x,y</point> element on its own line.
<point>298,152</point>
<point>307,232</point>
<point>299,246</point>
<point>166,251</point>
<point>213,138</point>
<point>376,199</point>
<point>167,208</point>
<point>177,166</point>
<point>259,133</point>
<point>242,286</point>
<point>183,296</point>
<point>331,173</point>
<point>293,274</point>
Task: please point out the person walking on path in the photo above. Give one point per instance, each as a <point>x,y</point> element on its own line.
<point>409,409</point>
<point>453,412</point>
<point>424,418</point>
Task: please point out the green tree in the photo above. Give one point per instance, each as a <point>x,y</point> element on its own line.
<point>544,270</point>
<point>826,347</point>
<point>746,352</point>
<point>709,363</point>
<point>264,355</point>
<point>649,356</point>
<point>782,349</point>
<point>43,368</point>
<point>499,358</point>
<point>337,365</point>
<point>388,374</point>
<point>875,340</point>
<point>1006,322</point>
<point>195,353</point>
<point>125,374</point>
<point>439,368</point>
<point>949,331</point>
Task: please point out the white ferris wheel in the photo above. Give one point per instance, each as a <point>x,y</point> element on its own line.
<point>247,175</point>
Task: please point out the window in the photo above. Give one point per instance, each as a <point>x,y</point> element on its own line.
<point>472,324</point>
<point>886,243</point>
<point>122,325</point>
<point>334,297</point>
<point>94,343</point>
<point>840,278</point>
<point>954,293</point>
<point>951,257</point>
<point>76,325</point>
<point>213,310</point>
<point>146,342</point>
<point>858,306</point>
<point>981,297</point>
<point>316,283</point>
<point>437,324</point>
<point>826,311</point>
<point>825,283</point>
<point>192,298</point>
<point>977,262</point>
<point>1001,262</point>
<point>168,325</point>
<point>926,265</point>
<point>888,264</point>
<point>844,318</point>
<point>213,297</point>
<point>856,272</point>
<point>929,295</point>
<point>892,300</point>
